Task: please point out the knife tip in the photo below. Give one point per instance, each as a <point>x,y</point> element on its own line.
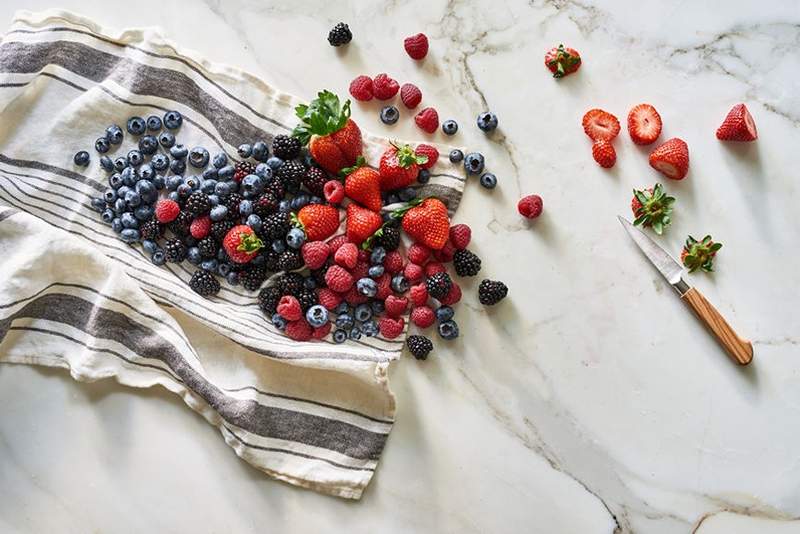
<point>623,220</point>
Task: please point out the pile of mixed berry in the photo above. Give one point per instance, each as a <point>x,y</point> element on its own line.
<point>277,209</point>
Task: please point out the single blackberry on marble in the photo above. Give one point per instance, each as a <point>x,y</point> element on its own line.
<point>419,346</point>
<point>204,283</point>
<point>340,35</point>
<point>289,260</point>
<point>467,263</point>
<point>208,247</point>
<point>291,284</point>
<point>198,204</point>
<point>252,278</point>
<point>174,250</point>
<point>286,147</point>
<point>314,181</point>
<point>439,285</point>
<point>490,292</point>
<point>151,230</point>
<point>268,299</point>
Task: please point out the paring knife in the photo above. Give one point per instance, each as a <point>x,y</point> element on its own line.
<point>740,350</point>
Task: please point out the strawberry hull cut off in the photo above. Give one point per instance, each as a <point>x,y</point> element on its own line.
<point>671,159</point>
<point>738,125</point>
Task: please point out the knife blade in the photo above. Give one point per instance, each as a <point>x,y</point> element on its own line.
<point>740,350</point>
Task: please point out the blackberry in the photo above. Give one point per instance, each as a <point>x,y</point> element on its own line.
<point>340,35</point>
<point>291,175</point>
<point>151,230</point>
<point>242,169</point>
<point>291,284</point>
<point>232,203</point>
<point>286,147</point>
<point>180,226</point>
<point>265,205</point>
<point>268,299</point>
<point>319,275</point>
<point>439,285</point>
<point>389,238</point>
<point>314,180</point>
<point>204,283</point>
<point>490,292</point>
<point>307,298</point>
<point>419,346</point>
<point>208,248</point>
<point>175,250</point>
<point>271,261</point>
<point>198,204</point>
<point>275,226</point>
<point>252,278</point>
<point>220,229</point>
<point>466,263</point>
<point>289,260</point>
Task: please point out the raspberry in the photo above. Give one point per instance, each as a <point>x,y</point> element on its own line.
<point>347,255</point>
<point>333,191</point>
<point>410,95</point>
<point>200,227</point>
<point>423,316</point>
<point>289,308</point>
<point>395,306</point>
<point>384,287</point>
<point>364,255</point>
<point>427,120</point>
<point>445,255</point>
<point>418,294</point>
<point>431,152</point>
<point>167,210</point>
<point>530,206</point>
<point>433,268</point>
<point>337,241</point>
<point>453,296</point>
<point>416,46</point>
<point>418,254</point>
<point>338,279</point>
<point>321,331</point>
<point>361,88</point>
<point>460,236</point>
<point>384,87</point>
<point>315,253</point>
<point>361,270</point>
<point>413,272</point>
<point>393,262</point>
<point>391,328</point>
<point>355,297</point>
<point>329,299</point>
<point>299,330</point>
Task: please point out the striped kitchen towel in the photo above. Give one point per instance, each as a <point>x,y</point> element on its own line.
<point>73,295</point>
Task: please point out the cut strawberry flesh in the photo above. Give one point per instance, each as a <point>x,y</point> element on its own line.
<point>644,124</point>
<point>750,123</point>
<point>667,168</point>
<point>599,124</point>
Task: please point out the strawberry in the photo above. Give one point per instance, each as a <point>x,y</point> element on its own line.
<point>418,294</point>
<point>427,223</point>
<point>315,253</point>
<point>738,125</point>
<point>318,221</point>
<point>364,186</point>
<point>200,227</point>
<point>644,124</point>
<point>321,331</point>
<point>167,210</point>
<point>334,139</point>
<point>434,267</point>
<point>562,60</point>
<point>384,87</point>
<point>604,154</point>
<point>427,120</point>
<point>460,236</point>
<point>329,298</point>
<point>241,244</point>
<point>430,152</point>
<point>299,330</point>
<point>347,256</point>
<point>530,206</point>
<point>699,254</point>
<point>289,308</point>
<point>416,46</point>
<point>652,207</point>
<point>599,124</point>
<point>361,223</point>
<point>671,159</point>
<point>333,191</point>
<point>413,272</point>
<point>338,279</point>
<point>422,316</point>
<point>410,95</point>
<point>391,328</point>
<point>399,167</point>
<point>395,306</point>
<point>393,262</point>
<point>361,88</point>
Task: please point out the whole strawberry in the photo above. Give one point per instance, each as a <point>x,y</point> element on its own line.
<point>361,223</point>
<point>318,221</point>
<point>241,244</point>
<point>561,61</point>
<point>334,139</point>
<point>399,167</point>
<point>428,223</point>
<point>699,254</point>
<point>738,125</point>
<point>671,159</point>
<point>364,186</point>
<point>416,46</point>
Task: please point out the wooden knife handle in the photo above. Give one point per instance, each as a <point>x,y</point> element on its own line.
<point>740,350</point>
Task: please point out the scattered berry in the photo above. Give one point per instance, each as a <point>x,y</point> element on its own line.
<point>738,125</point>
<point>428,151</point>
<point>444,313</point>
<point>286,147</point>
<point>268,299</point>
<point>81,158</point>
<point>699,254</point>
<point>456,156</point>
<point>204,283</point>
<point>474,163</point>
<point>487,121</point>
<point>644,124</point>
<point>418,294</point>
<point>318,221</point>
<point>329,298</point>
<point>361,88</point>
<point>333,191</point>
<point>419,346</point>
<point>321,331</point>
<point>167,210</point>
<point>391,328</point>
<point>427,120</point>
<point>395,306</point>
<point>671,159</point>
<point>399,166</point>
<point>347,255</point>
<point>453,296</point>
<point>317,315</point>
<point>460,235</point>
<point>530,206</point>
<point>361,223</point>
<point>364,186</point>
<point>338,279</point>
<point>604,154</point>
<point>466,263</point>
<point>339,336</point>
<point>434,267</point>
<point>652,207</point>
<point>315,253</point>
<point>599,124</point>
<point>488,180</point>
<point>449,127</point>
<point>384,87</point>
<point>340,35</point>
<point>289,308</point>
<point>438,285</point>
<point>389,115</point>
<point>416,46</point>
<point>422,316</point>
<point>242,244</point>
<point>561,60</point>
<point>410,95</point>
<point>299,330</point>
<point>448,330</point>
<point>200,227</point>
<point>490,292</point>
<point>393,262</point>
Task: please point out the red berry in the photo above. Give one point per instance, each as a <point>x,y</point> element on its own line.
<point>391,328</point>
<point>363,256</point>
<point>410,95</point>
<point>337,241</point>
<point>384,87</point>
<point>599,124</point>
<point>329,298</point>
<point>644,124</point>
<point>604,154</point>
<point>338,279</point>
<point>384,287</point>
<point>347,255</point>
<point>671,159</point>
<point>738,125</point>
<point>315,253</point>
<point>200,227</point>
<point>395,306</point>
<point>355,297</point>
<point>361,270</point>
<point>167,210</point>
<point>299,330</point>
<point>460,236</point>
<point>445,254</point>
<point>423,316</point>
<point>321,331</point>
<point>453,296</point>
<point>431,153</point>
<point>418,254</point>
<point>393,262</point>
<point>413,272</point>
<point>530,206</point>
<point>427,120</point>
<point>289,308</point>
<point>333,191</point>
<point>416,46</point>
<point>361,88</point>
<point>433,268</point>
<point>418,294</point>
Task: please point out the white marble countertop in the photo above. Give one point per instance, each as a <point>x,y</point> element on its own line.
<point>592,402</point>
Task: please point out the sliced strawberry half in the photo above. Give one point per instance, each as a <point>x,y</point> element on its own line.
<point>599,124</point>
<point>644,124</point>
<point>738,125</point>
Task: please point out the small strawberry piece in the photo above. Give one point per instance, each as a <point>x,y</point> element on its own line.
<point>329,298</point>
<point>361,88</point>
<point>333,191</point>
<point>318,221</point>
<point>354,297</point>
<point>395,306</point>
<point>599,124</point>
<point>460,236</point>
<point>428,151</point>
<point>671,159</point>
<point>364,186</point>
<point>391,328</point>
<point>384,87</point>
<point>423,316</point>
<point>338,279</point>
<point>337,241</point>
<point>200,227</point>
<point>393,262</point>
<point>361,223</point>
<point>561,60</point>
<point>418,294</point>
<point>241,244</point>
<point>428,223</point>
<point>433,268</point>
<point>384,282</point>
<point>289,308</point>
<point>530,206</point>
<point>604,154</point>
<point>321,331</point>
<point>410,95</point>
<point>427,120</point>
<point>453,296</point>
<point>416,46</point>
<point>413,272</point>
<point>299,330</point>
<point>644,124</point>
<point>445,255</point>
<point>418,254</point>
<point>167,210</point>
<point>738,125</point>
<point>315,253</point>
<point>347,255</point>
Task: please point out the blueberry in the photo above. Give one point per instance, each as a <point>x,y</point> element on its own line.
<point>367,287</point>
<point>456,155</point>
<point>143,187</point>
<point>135,158</point>
<point>213,200</point>
<point>146,172</point>
<point>488,180</point>
<point>81,158</point>
<point>159,162</point>
<point>377,307</point>
<point>166,139</point>
<point>400,283</point>
<point>159,182</point>
<point>344,320</point>
<point>120,206</point>
<point>198,157</point>
<point>224,269</point>
<point>133,199</point>
<point>107,216</point>
<point>274,163</point>
<point>295,238</point>
<point>299,201</point>
<point>144,213</point>
<point>450,127</point>
<point>150,246</point>
<point>254,222</point>
<point>223,256</point>
<point>208,186</point>
<point>317,315</point>
<point>279,245</point>
<point>173,120</point>
<point>222,189</point>
<point>341,308</point>
<point>99,204</point>
<point>129,176</point>
<point>193,182</point>
<point>444,313</point>
<point>122,191</point>
<point>363,313</point>
<point>251,186</point>
<point>193,255</point>
<point>284,206</point>
<point>487,121</point>
<point>130,235</point>
<point>339,336</point>
<point>184,191</point>
<point>226,172</point>
<point>107,164</point>
<point>473,163</point>
<point>370,328</point>
<point>376,271</point>
<point>116,225</point>
<point>219,160</point>
<point>218,213</point>
<point>148,144</point>
<point>233,278</point>
<point>136,126</point>
<point>279,322</point>
<point>209,265</point>
<point>158,257</point>
<point>424,176</point>
<point>377,255</point>
<point>115,180</point>
<point>409,193</point>
<point>355,333</point>
<point>244,150</point>
<point>154,123</point>
<point>177,166</point>
<point>173,195</point>
<point>448,329</point>
<point>263,171</point>
<point>210,174</point>
<point>102,145</point>
<point>120,163</point>
<point>179,151</point>
<point>173,182</point>
<point>114,134</point>
<point>389,115</point>
<point>315,200</point>
<point>260,151</point>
